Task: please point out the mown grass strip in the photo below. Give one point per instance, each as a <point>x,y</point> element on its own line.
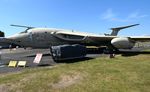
<point>120,74</point>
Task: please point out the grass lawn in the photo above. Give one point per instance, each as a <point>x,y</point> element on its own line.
<point>120,74</point>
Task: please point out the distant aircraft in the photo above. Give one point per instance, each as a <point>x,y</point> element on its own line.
<point>47,37</point>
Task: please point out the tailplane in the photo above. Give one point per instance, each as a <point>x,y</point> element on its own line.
<point>117,29</point>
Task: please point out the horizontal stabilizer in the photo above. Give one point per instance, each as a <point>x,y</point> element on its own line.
<point>117,29</point>
<point>28,27</point>
<point>120,28</point>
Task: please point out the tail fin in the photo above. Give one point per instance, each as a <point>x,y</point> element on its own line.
<point>117,29</point>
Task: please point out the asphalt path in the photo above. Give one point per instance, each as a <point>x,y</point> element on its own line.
<point>20,54</point>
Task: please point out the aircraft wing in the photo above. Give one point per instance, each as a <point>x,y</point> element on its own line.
<point>117,42</point>
<point>141,38</point>
<point>109,38</point>
<point>101,38</point>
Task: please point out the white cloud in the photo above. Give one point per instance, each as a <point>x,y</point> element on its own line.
<point>109,15</point>
<point>136,15</point>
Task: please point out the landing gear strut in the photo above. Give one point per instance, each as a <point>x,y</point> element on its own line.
<point>111,52</point>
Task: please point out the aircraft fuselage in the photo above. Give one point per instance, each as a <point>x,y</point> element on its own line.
<point>44,38</point>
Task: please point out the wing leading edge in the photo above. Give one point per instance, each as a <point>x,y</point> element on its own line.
<point>109,38</point>
<point>141,38</point>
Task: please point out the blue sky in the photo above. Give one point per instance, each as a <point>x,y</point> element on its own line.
<point>93,16</point>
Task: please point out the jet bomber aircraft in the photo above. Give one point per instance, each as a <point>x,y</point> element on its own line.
<point>47,37</point>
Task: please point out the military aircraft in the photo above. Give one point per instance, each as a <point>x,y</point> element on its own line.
<point>47,37</point>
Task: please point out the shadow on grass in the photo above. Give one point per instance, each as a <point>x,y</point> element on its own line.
<point>132,53</point>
